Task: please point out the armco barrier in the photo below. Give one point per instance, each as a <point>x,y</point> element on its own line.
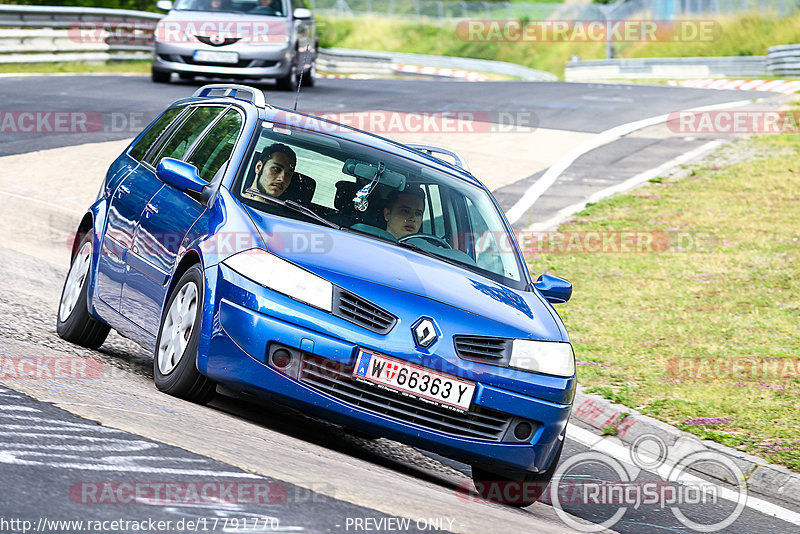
<point>784,60</point>
<point>666,68</point>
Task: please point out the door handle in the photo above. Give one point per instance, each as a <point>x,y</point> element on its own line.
<point>123,190</point>
<point>151,208</point>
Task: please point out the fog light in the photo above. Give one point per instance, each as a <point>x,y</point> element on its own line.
<point>523,431</point>
<point>282,358</point>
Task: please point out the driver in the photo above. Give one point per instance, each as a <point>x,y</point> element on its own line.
<point>404,211</point>
<point>273,170</point>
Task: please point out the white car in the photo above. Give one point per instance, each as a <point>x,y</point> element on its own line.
<point>253,39</point>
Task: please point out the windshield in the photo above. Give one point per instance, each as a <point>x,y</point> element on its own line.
<point>365,190</point>
<point>275,8</point>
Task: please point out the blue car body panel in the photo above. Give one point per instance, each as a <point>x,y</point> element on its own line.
<point>144,230</point>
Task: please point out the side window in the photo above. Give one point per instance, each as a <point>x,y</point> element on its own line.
<point>298,3</point>
<point>183,138</point>
<point>216,147</point>
<point>152,134</point>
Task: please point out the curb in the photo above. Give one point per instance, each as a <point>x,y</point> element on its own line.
<point>762,477</point>
<point>786,87</point>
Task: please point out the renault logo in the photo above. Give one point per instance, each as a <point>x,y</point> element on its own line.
<point>424,332</point>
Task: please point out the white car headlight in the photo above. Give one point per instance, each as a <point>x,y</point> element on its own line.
<point>278,274</point>
<point>548,357</point>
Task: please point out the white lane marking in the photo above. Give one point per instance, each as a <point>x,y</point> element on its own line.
<point>116,464</point>
<point>551,175</point>
<point>43,202</point>
<point>622,454</point>
<point>628,184</point>
<point>114,408</point>
<point>18,408</point>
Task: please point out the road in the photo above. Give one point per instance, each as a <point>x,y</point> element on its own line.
<point>320,478</point>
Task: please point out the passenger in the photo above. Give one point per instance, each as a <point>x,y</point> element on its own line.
<point>404,211</point>
<point>273,170</point>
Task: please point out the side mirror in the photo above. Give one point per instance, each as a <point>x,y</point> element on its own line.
<point>302,13</point>
<point>180,175</point>
<point>164,5</point>
<point>556,290</point>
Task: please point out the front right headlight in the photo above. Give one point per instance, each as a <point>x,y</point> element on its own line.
<point>547,357</point>
<point>282,276</point>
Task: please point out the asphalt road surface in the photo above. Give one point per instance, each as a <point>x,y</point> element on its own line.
<point>76,448</point>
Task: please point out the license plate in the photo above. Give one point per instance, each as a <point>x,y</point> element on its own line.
<point>209,56</point>
<point>414,380</point>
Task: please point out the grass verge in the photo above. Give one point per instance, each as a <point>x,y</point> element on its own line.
<point>745,35</point>
<point>702,330</point>
<point>122,67</point>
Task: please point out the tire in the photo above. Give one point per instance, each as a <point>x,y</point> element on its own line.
<point>289,82</point>
<point>175,359</point>
<point>522,491</point>
<point>160,76</point>
<point>73,321</point>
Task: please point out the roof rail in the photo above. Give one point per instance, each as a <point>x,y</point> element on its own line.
<point>433,150</point>
<point>249,94</point>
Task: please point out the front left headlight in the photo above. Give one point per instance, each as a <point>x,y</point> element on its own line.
<point>547,357</point>
<point>282,276</point>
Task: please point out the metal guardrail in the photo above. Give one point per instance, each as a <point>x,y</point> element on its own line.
<point>666,68</point>
<point>784,60</point>
<point>386,59</point>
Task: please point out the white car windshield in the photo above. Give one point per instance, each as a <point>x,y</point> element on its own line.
<point>276,8</point>
<point>369,191</point>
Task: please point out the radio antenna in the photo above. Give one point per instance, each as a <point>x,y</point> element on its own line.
<point>300,80</point>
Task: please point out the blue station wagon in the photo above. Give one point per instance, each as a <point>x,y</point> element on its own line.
<point>376,285</point>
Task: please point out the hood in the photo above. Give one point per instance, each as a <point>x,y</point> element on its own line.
<point>340,255</point>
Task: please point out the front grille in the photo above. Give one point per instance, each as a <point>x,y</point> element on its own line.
<point>493,350</point>
<point>189,60</point>
<point>336,380</point>
<point>362,312</point>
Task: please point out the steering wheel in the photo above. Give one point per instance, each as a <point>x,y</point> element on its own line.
<point>438,241</point>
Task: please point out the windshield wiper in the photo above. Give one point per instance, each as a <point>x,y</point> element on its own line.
<point>291,204</point>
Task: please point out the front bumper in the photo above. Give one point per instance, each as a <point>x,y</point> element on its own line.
<point>255,61</point>
<point>237,356</point>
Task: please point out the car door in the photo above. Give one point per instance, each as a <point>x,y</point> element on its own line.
<point>125,205</point>
<point>205,140</point>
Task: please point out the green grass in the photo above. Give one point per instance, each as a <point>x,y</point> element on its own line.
<point>126,67</point>
<point>708,326</point>
<point>739,36</point>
